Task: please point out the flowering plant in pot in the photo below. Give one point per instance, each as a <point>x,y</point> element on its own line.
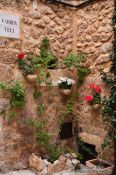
<point>94,99</point>
<point>26,67</point>
<point>65,84</point>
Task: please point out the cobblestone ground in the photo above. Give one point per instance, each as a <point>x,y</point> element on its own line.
<point>21,172</point>
<point>28,172</point>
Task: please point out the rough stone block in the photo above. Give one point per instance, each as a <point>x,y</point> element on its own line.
<point>6,73</point>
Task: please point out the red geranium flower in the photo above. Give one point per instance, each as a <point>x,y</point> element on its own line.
<point>92,86</point>
<point>89,98</point>
<point>97,89</point>
<point>20,56</point>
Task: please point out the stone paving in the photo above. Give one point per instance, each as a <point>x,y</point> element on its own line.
<point>21,172</point>
<point>28,172</point>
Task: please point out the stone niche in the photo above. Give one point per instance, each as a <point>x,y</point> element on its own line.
<point>91,139</point>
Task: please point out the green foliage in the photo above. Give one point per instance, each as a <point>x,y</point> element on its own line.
<point>65,85</point>
<point>45,43</point>
<point>12,115</point>
<point>109,105</point>
<point>40,109</point>
<point>82,72</point>
<point>75,61</point>
<point>17,93</point>
<point>60,121</point>
<point>3,86</point>
<point>36,94</point>
<point>69,107</point>
<point>25,67</point>
<point>96,98</point>
<point>43,138</point>
<point>114,21</point>
<point>17,97</point>
<point>46,59</point>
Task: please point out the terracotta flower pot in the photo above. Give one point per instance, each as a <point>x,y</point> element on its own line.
<point>31,78</point>
<point>99,164</point>
<point>96,106</point>
<point>66,92</point>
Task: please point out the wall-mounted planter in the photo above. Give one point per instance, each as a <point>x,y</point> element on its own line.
<point>96,107</point>
<point>100,165</point>
<point>31,78</point>
<point>56,73</point>
<point>66,92</point>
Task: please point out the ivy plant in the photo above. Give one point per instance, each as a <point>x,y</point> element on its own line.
<point>109,105</point>
<point>43,138</point>
<point>17,93</point>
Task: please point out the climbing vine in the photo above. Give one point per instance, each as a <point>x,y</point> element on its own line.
<point>17,100</point>
<point>109,103</point>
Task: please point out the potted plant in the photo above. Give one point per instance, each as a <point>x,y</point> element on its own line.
<point>33,65</point>
<point>94,99</point>
<point>65,84</point>
<point>27,68</point>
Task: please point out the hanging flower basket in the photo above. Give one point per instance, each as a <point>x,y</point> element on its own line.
<point>66,85</point>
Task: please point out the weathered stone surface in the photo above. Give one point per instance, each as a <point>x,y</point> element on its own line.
<point>6,72</point>
<point>4,104</point>
<point>36,163</point>
<point>21,172</point>
<point>43,167</point>
<point>94,36</point>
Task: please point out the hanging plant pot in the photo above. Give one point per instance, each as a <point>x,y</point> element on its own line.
<point>31,78</point>
<point>66,92</point>
<point>96,106</point>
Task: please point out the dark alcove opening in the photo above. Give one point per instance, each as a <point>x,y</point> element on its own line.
<point>87,151</point>
<point>66,130</point>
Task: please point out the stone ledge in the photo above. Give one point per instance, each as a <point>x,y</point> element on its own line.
<point>91,139</point>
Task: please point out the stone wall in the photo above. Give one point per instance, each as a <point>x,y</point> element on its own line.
<point>94,38</point>
<point>87,30</point>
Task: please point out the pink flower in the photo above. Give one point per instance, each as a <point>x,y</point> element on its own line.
<point>20,56</point>
<point>97,89</point>
<point>89,98</point>
<point>92,86</point>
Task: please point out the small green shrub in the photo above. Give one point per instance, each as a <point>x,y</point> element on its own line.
<point>75,61</point>
<point>43,138</point>
<point>25,67</point>
<point>17,100</point>
<point>17,93</point>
